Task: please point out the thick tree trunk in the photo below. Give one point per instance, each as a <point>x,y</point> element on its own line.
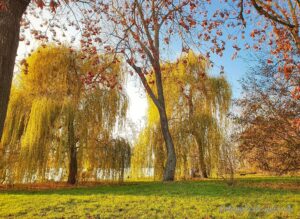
<point>72,151</point>
<point>9,42</point>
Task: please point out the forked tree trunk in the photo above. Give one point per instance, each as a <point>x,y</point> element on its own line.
<point>9,42</point>
<point>72,151</point>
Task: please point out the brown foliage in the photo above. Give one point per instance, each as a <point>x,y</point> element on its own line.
<point>269,139</point>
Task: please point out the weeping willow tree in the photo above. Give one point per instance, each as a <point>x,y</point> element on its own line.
<point>59,124</point>
<point>197,105</point>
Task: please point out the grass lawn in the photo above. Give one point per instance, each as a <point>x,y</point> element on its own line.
<point>250,198</point>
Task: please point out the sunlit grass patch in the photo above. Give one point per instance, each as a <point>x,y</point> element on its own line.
<point>190,199</point>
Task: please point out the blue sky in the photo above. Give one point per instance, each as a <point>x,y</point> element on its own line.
<point>234,70</point>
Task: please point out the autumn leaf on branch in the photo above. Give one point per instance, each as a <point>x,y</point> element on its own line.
<point>3,5</point>
<point>40,3</point>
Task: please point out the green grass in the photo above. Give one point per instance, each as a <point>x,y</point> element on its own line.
<point>192,199</point>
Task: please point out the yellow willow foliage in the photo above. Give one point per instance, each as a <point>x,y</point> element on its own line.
<point>106,161</point>
<point>14,128</point>
<point>34,146</point>
<point>142,156</point>
<point>196,106</point>
<point>49,95</point>
<point>51,71</point>
<point>100,113</point>
<point>15,123</point>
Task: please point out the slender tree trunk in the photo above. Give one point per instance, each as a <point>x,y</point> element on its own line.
<point>9,42</point>
<point>201,160</point>
<point>159,101</point>
<point>72,178</point>
<point>72,151</point>
<point>200,147</point>
<point>169,171</point>
<point>121,177</point>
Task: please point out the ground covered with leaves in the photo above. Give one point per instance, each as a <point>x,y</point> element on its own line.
<point>271,197</point>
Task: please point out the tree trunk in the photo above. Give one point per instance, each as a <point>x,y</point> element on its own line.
<point>121,177</point>
<point>198,141</point>
<point>202,161</point>
<point>72,151</point>
<point>169,171</point>
<point>9,42</point>
<point>159,101</point>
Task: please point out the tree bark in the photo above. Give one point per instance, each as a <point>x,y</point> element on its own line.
<point>153,53</point>
<point>202,161</point>
<point>202,164</point>
<point>169,171</point>
<point>72,151</point>
<point>159,101</point>
<point>9,42</point>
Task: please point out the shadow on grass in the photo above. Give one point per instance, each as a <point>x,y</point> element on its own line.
<point>211,188</point>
